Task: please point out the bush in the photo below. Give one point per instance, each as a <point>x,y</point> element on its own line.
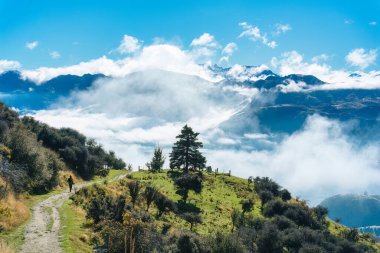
<point>163,204</point>
<point>265,196</point>
<point>226,243</point>
<point>187,182</point>
<point>269,240</point>
<point>134,189</point>
<point>274,207</point>
<point>192,218</point>
<point>266,184</point>
<point>247,205</point>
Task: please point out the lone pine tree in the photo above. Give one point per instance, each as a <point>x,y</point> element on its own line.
<point>185,154</point>
<point>157,161</point>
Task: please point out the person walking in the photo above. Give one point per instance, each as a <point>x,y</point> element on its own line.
<point>71,182</point>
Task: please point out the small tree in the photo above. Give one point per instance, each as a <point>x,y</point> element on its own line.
<point>265,197</point>
<point>192,218</point>
<point>150,194</point>
<point>285,195</point>
<point>134,189</point>
<point>185,153</point>
<point>163,204</point>
<point>247,205</point>
<point>320,212</point>
<point>188,182</point>
<point>158,160</point>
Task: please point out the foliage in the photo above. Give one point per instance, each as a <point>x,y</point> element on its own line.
<point>158,160</point>
<point>185,153</point>
<point>192,218</point>
<point>187,182</point>
<point>134,189</point>
<point>150,195</point>
<point>287,226</point>
<point>247,205</point>
<point>163,204</point>
<point>82,155</point>
<point>40,164</point>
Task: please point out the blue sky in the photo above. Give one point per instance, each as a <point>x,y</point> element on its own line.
<point>83,30</point>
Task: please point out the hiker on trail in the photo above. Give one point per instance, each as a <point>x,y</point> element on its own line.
<point>71,182</point>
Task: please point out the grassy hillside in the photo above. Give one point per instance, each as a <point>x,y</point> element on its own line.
<point>220,197</point>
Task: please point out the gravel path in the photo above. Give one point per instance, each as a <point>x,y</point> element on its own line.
<point>42,232</point>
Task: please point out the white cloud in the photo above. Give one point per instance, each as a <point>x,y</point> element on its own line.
<point>282,28</point>
<point>314,163</point>
<point>158,104</point>
<point>359,57</point>
<point>205,39</point>
<point>254,136</point>
<point>55,55</point>
<point>292,86</point>
<point>162,56</point>
<point>228,51</point>
<point>254,34</point>
<point>230,48</point>
<point>320,58</point>
<point>227,141</point>
<point>373,23</point>
<point>6,65</point>
<point>31,45</point>
<point>244,73</point>
<point>294,63</point>
<point>129,44</point>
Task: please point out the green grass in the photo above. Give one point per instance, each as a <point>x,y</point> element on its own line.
<point>219,196</point>
<point>14,238</point>
<point>74,236</point>
<point>49,210</point>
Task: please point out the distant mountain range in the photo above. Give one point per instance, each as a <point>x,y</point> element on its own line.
<point>282,112</point>
<point>25,94</point>
<point>355,211</point>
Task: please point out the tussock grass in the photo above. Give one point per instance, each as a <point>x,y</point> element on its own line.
<point>13,212</point>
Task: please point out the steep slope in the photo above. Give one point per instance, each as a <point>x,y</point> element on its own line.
<point>228,215</point>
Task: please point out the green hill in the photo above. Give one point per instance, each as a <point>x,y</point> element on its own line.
<point>204,223</point>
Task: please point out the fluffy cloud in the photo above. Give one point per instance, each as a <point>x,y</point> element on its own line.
<point>55,55</point>
<point>205,39</point>
<point>361,58</point>
<point>228,51</point>
<point>244,73</point>
<point>282,28</point>
<point>161,56</point>
<point>162,95</point>
<point>314,163</point>
<point>320,58</point>
<point>293,62</point>
<point>6,65</point>
<point>128,44</point>
<point>31,45</point>
<point>230,48</point>
<point>146,108</point>
<point>253,33</point>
